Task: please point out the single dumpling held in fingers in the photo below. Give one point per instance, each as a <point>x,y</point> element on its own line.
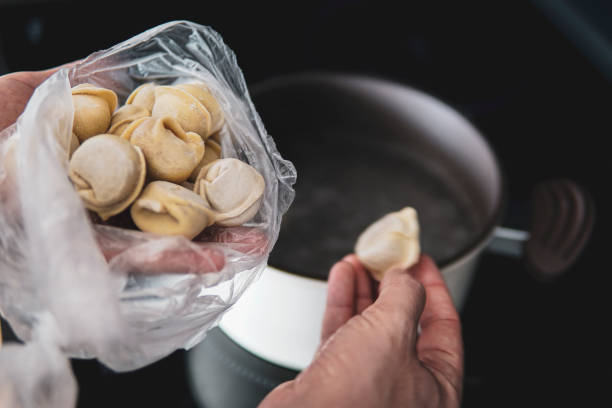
<point>169,209</point>
<point>390,242</point>
<point>93,108</point>
<point>171,153</point>
<point>108,174</point>
<point>233,190</point>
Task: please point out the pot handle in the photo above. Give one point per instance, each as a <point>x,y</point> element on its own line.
<point>563,215</point>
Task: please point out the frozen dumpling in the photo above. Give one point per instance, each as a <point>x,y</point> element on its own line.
<point>93,107</point>
<point>74,143</point>
<point>143,96</point>
<point>184,107</point>
<point>201,92</point>
<point>108,173</point>
<point>212,152</point>
<point>233,190</point>
<point>171,153</point>
<point>169,209</point>
<point>390,242</point>
<point>124,116</point>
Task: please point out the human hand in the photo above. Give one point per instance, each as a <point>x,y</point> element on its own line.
<point>372,353</point>
<point>204,254</point>
<point>15,91</point>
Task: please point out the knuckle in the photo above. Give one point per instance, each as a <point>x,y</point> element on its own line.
<point>409,285</point>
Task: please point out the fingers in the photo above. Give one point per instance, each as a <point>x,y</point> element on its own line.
<point>349,292</point>
<point>246,240</point>
<point>340,306</point>
<point>180,261</point>
<point>400,293</point>
<point>37,77</point>
<point>15,91</point>
<point>31,79</point>
<point>439,345</point>
<point>132,251</point>
<point>281,396</point>
<point>140,260</point>
<point>364,284</point>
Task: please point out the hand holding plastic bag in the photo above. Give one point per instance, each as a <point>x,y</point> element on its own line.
<point>120,295</point>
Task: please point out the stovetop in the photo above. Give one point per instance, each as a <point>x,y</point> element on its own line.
<point>524,78</point>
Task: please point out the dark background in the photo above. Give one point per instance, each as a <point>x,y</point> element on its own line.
<point>533,76</point>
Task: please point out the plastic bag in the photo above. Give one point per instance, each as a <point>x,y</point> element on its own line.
<point>123,296</point>
<point>36,375</point>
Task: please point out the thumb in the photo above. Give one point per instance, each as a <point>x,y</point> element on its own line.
<point>281,396</point>
<point>400,302</point>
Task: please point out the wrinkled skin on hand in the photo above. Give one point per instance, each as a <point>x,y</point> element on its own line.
<point>371,352</point>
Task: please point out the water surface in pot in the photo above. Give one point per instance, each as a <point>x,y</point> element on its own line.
<point>345,183</point>
<point>364,147</point>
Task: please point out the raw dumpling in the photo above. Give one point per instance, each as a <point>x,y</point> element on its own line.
<point>124,116</point>
<point>143,96</point>
<point>74,143</point>
<point>233,190</point>
<point>392,241</point>
<point>184,107</point>
<point>169,209</point>
<point>93,107</point>
<point>201,92</point>
<point>171,153</point>
<point>212,152</point>
<point>108,173</point>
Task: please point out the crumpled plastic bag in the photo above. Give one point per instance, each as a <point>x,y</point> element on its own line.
<point>36,375</point>
<point>126,297</point>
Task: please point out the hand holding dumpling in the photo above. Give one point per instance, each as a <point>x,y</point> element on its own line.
<point>392,241</point>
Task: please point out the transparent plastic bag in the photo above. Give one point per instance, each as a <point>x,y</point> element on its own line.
<point>123,296</point>
<point>36,375</point>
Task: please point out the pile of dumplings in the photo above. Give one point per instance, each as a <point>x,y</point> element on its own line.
<point>160,156</point>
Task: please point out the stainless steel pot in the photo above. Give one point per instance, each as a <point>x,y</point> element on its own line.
<point>364,147</point>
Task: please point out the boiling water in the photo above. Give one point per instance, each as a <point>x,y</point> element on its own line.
<point>343,188</point>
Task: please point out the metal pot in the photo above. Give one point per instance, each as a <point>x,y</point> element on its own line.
<point>364,147</point>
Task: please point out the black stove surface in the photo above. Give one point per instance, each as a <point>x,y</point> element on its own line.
<point>524,76</point>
